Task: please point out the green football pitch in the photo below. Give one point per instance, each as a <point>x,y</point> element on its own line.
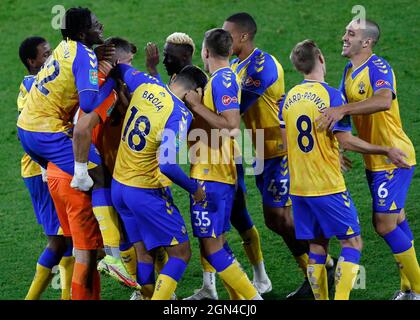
<point>281,24</point>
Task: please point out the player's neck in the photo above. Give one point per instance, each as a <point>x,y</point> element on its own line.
<point>361,58</point>
<point>177,90</point>
<point>317,75</point>
<point>216,64</point>
<point>246,51</point>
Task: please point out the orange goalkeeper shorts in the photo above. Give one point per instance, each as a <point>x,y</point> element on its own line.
<point>74,210</point>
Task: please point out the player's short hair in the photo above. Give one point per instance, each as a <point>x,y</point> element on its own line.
<point>218,42</point>
<point>304,55</point>
<point>182,39</point>
<point>192,77</point>
<point>28,49</point>
<point>372,31</point>
<point>245,22</point>
<point>76,20</point>
<point>122,44</point>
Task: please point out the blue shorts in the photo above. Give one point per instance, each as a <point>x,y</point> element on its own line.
<point>44,147</point>
<point>211,217</point>
<point>43,205</point>
<point>240,218</point>
<point>389,189</point>
<point>149,215</point>
<point>325,217</point>
<point>274,183</point>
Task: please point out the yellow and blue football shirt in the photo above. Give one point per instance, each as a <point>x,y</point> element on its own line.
<point>262,83</point>
<point>380,128</point>
<point>29,168</point>
<point>211,161</point>
<point>153,115</point>
<point>51,104</point>
<point>313,155</point>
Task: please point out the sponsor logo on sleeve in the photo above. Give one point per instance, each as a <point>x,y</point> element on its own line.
<point>381,83</point>
<point>93,76</point>
<point>227,100</point>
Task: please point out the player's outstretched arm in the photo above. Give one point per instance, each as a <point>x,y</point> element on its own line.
<point>380,101</point>
<point>352,143</point>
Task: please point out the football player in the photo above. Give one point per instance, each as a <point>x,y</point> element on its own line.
<point>33,52</point>
<point>369,84</point>
<point>68,79</point>
<point>155,124</point>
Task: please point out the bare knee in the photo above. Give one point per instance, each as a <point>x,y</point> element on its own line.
<point>355,243</point>
<point>181,251</point>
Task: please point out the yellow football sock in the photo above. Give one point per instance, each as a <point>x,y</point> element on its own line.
<point>409,266</point>
<point>233,295</point>
<point>129,258</point>
<point>165,287</point>
<point>207,267</point>
<point>160,259</point>
<point>40,282</point>
<point>317,275</point>
<point>302,261</point>
<point>237,279</point>
<point>147,291</point>
<point>252,245</point>
<point>345,276</point>
<point>109,225</point>
<point>66,267</point>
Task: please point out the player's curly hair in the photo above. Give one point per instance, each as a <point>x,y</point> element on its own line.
<point>28,49</point>
<point>180,38</point>
<point>76,20</point>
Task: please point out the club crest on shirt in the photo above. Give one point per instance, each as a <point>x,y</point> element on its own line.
<point>362,88</point>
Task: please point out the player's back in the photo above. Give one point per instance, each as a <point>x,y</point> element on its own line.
<point>151,106</point>
<point>54,98</point>
<point>313,155</point>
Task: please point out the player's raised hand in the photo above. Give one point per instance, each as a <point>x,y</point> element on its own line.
<point>199,195</point>
<point>329,118</point>
<point>397,157</point>
<point>105,52</point>
<point>152,58</point>
<point>194,97</point>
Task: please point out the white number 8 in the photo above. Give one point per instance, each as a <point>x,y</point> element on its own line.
<point>382,191</point>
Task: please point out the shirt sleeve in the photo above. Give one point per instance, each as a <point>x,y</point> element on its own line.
<point>337,99</point>
<point>134,78</point>
<point>381,76</point>
<point>225,91</point>
<point>281,105</point>
<point>174,134</point>
<point>261,74</point>
<point>85,69</point>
